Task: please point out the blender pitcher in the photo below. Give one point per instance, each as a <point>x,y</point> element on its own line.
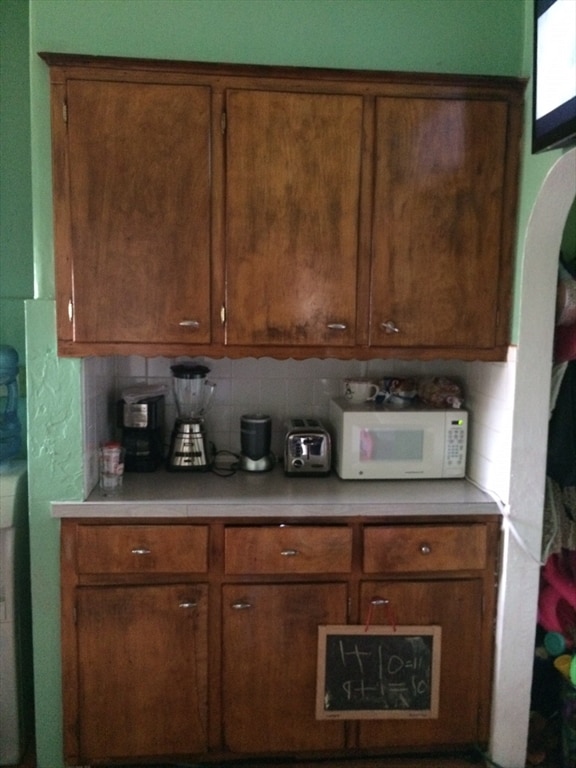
<point>192,390</point>
<point>190,448</point>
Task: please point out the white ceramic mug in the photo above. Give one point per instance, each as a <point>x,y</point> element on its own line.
<point>359,390</point>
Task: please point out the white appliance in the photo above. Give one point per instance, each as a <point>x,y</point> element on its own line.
<point>391,442</point>
<point>15,646</point>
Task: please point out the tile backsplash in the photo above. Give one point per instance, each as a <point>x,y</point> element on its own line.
<point>288,388</point>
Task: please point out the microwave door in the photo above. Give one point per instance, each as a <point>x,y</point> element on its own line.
<point>403,451</point>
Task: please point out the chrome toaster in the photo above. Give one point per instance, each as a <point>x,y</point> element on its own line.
<point>307,448</point>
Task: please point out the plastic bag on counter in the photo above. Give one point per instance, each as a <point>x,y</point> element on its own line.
<point>397,391</point>
<point>141,392</point>
<point>440,392</point>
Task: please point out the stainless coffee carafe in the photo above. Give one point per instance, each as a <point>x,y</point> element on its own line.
<point>190,448</point>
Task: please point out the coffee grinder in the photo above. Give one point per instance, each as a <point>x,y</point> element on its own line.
<point>141,420</point>
<point>189,448</point>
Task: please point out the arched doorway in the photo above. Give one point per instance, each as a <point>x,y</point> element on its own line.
<point>519,580</point>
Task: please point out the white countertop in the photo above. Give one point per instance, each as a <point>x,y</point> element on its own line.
<point>250,494</point>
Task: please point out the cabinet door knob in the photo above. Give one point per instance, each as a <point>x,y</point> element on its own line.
<point>141,551</point>
<point>337,326</point>
<point>390,326</point>
<point>379,601</point>
<point>289,552</point>
<point>240,605</point>
<point>425,549</point>
<point>189,323</point>
<point>187,604</point>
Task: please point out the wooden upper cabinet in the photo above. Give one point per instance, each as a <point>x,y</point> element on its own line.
<point>293,178</point>
<point>439,203</point>
<point>137,210</point>
<point>245,210</point>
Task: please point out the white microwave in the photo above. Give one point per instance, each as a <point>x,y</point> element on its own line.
<point>387,442</point>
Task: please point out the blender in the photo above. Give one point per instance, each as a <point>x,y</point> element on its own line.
<point>189,447</point>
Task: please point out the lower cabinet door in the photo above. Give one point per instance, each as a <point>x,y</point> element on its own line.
<point>142,670</point>
<point>270,638</point>
<point>455,606</point>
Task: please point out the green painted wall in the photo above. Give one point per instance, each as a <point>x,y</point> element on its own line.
<point>16,264</point>
<point>437,35</point>
<point>468,36</point>
<point>55,472</point>
<point>16,274</point>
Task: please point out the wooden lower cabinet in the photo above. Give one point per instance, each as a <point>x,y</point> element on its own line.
<point>199,640</point>
<point>270,639</point>
<point>142,684</point>
<point>455,606</point>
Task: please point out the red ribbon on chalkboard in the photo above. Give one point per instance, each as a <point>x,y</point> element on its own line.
<point>380,602</point>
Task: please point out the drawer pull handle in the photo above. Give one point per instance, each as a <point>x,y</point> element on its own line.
<point>425,549</point>
<point>189,323</point>
<point>337,326</point>
<point>289,552</point>
<point>187,604</point>
<point>141,551</point>
<point>240,605</point>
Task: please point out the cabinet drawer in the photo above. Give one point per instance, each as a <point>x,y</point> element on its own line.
<point>424,548</point>
<point>142,549</point>
<point>288,549</point>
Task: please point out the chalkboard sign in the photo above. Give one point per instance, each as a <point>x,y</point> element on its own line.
<point>378,672</point>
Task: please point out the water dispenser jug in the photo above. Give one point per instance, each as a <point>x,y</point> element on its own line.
<point>10,431</point>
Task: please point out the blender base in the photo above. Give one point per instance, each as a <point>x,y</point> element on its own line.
<point>190,450</point>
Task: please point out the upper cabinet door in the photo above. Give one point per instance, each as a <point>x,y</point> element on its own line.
<point>293,177</point>
<point>438,222</point>
<point>138,209</point>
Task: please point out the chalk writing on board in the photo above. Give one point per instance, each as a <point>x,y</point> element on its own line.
<point>377,673</point>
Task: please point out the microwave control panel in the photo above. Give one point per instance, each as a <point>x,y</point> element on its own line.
<point>455,449</point>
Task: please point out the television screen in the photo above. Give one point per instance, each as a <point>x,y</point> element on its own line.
<point>554,85</point>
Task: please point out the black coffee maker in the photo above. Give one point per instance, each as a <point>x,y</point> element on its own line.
<point>142,426</point>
